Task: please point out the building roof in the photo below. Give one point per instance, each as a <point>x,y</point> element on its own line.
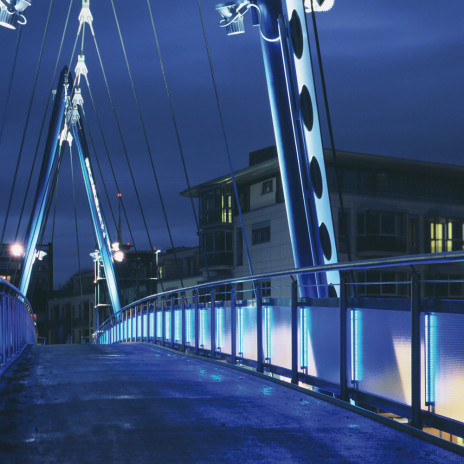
<point>345,159</point>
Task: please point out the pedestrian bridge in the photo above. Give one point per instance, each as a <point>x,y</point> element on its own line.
<point>222,372</point>
<point>141,403</point>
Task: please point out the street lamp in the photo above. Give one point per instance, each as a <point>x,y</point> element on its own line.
<point>17,250</point>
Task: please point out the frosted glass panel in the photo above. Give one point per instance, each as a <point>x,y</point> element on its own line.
<point>205,328</point>
<point>246,332</point>
<point>449,365</point>
<point>384,344</point>
<point>277,335</point>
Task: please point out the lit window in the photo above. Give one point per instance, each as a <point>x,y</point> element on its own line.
<point>446,235</point>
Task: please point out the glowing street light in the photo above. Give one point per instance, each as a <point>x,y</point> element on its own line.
<point>17,250</point>
<point>118,254</point>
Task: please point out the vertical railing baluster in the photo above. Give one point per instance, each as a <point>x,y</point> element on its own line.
<point>163,321</point>
<point>173,322</point>
<point>343,341</point>
<point>184,342</point>
<point>233,324</point>
<point>416,420</point>
<point>197,324</point>
<point>259,327</point>
<point>213,325</point>
<point>155,320</point>
<point>294,312</point>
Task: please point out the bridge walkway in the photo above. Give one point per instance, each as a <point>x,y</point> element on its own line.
<point>139,403</point>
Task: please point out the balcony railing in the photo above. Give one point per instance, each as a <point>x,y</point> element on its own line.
<point>17,324</point>
<point>399,355</point>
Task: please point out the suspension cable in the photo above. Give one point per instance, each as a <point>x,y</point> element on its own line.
<point>122,140</point>
<point>176,129</point>
<point>110,162</point>
<point>147,144</point>
<point>77,232</point>
<point>226,143</point>
<point>27,123</point>
<point>43,120</point>
<point>98,166</point>
<point>10,84</point>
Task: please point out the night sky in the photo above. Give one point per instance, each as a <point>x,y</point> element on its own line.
<point>394,73</point>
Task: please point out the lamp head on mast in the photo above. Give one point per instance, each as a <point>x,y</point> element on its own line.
<point>12,13</point>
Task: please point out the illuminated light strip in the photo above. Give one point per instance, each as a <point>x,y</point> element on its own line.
<point>430,357</point>
<point>152,325</point>
<point>240,330</point>
<point>178,327</point>
<point>219,327</point>
<point>144,325</point>
<point>188,328</point>
<point>202,327</point>
<point>267,333</point>
<point>167,319</point>
<point>159,324</point>
<point>356,324</point>
<point>304,337</point>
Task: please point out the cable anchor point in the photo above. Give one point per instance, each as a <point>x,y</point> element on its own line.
<point>85,16</point>
<point>81,69</point>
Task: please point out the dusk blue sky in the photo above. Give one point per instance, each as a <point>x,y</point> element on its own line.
<point>394,73</point>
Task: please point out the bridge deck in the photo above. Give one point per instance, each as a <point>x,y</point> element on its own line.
<point>139,404</point>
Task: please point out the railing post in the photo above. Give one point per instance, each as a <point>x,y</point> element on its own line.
<point>163,320</point>
<point>213,325</point>
<point>294,332</point>
<point>184,331</point>
<point>259,327</point>
<point>416,420</point>
<point>197,323</point>
<point>131,324</point>
<point>343,341</point>
<point>233,323</point>
<point>173,322</point>
<point>155,320</point>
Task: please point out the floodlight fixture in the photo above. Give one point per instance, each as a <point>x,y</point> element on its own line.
<point>12,13</point>
<point>232,16</point>
<point>17,250</point>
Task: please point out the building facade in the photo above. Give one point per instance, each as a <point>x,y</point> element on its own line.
<point>390,207</point>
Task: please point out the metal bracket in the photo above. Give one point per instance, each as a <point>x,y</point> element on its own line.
<point>85,16</point>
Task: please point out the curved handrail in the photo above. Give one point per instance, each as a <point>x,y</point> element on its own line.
<point>17,323</point>
<point>395,261</point>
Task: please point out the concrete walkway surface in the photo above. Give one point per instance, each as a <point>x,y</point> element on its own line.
<point>142,404</point>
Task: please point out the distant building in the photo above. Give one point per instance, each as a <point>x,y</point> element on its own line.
<point>41,282</point>
<point>392,207</point>
<point>72,309</point>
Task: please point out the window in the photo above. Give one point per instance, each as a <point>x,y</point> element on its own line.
<point>267,186</point>
<point>381,231</point>
<point>343,230</point>
<point>446,234</point>
<point>266,289</point>
<point>261,233</point>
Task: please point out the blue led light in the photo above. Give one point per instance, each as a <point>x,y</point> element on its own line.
<point>167,319</point>
<point>203,323</point>
<point>152,325</point>
<point>188,326</point>
<point>267,333</point>
<point>219,327</point>
<point>159,324</point>
<point>304,338</point>
<point>430,357</point>
<point>178,325</point>
<point>240,330</point>
<point>356,348</point>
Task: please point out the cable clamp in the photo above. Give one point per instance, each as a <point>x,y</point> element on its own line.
<point>85,16</point>
<point>81,69</point>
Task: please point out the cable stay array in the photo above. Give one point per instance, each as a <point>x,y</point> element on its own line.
<point>69,125</point>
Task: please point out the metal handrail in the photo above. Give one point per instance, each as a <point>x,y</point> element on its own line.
<point>377,263</point>
<point>17,323</point>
